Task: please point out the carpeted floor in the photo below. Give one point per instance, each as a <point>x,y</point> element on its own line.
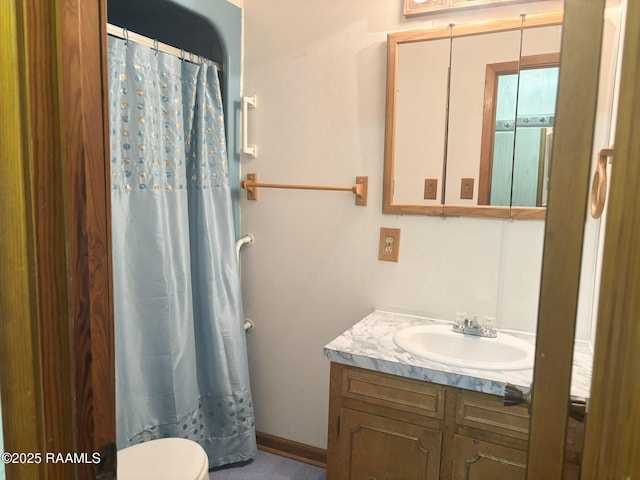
<point>266,466</point>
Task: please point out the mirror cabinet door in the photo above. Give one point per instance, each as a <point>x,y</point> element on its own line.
<point>421,112</point>
<point>536,107</point>
<point>470,58</point>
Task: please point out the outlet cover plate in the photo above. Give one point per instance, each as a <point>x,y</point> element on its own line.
<point>430,188</point>
<point>466,188</point>
<point>389,244</point>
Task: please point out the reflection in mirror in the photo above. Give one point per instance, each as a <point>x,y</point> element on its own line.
<point>519,179</point>
<point>421,110</point>
<point>537,92</point>
<point>417,124</point>
<point>534,133</point>
<point>470,58</point>
<point>503,107</point>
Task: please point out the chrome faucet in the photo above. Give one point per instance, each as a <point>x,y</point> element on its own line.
<point>471,326</point>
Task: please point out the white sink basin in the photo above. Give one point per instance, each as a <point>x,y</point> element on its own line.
<point>439,343</point>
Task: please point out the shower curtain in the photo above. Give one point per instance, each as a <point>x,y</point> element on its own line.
<point>181,359</point>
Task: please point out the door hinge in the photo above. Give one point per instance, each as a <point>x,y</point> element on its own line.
<point>338,425</point>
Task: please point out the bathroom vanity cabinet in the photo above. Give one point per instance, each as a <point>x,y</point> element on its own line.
<point>384,426</point>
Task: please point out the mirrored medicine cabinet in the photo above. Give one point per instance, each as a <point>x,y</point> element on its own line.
<point>470,112</point>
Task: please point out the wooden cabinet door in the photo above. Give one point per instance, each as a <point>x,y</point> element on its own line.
<point>475,459</point>
<point>478,460</point>
<point>379,448</point>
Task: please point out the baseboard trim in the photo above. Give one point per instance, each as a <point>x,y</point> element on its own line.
<point>291,449</point>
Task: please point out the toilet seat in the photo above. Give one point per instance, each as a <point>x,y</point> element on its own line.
<point>163,459</point>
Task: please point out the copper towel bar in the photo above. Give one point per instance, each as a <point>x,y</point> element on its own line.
<point>251,185</point>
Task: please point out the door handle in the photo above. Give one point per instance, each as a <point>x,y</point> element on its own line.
<point>515,396</point>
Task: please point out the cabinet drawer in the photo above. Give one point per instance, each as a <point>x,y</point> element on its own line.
<point>389,391</point>
<point>487,413</point>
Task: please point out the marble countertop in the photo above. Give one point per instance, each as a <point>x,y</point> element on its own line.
<point>369,344</point>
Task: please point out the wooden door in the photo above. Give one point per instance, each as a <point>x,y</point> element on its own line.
<point>612,432</point>
<point>612,447</point>
<point>564,231</point>
<point>56,323</point>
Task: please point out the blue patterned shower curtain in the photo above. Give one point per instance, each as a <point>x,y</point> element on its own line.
<point>181,358</point>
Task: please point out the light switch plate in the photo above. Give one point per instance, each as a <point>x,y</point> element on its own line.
<point>389,244</point>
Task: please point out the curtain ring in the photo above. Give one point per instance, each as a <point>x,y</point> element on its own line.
<point>125,34</point>
<point>182,54</point>
<point>155,45</point>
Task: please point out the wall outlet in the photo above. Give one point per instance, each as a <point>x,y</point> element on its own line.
<point>389,244</point>
<point>430,188</point>
<point>466,188</point>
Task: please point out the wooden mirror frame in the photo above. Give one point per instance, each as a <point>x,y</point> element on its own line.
<point>442,209</point>
<point>424,7</point>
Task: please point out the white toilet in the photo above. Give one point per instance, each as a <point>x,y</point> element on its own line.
<point>163,459</point>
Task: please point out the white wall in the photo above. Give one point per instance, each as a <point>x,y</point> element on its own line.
<point>318,69</point>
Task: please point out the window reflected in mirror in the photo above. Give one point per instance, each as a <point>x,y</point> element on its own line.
<point>469,60</point>
<point>518,131</point>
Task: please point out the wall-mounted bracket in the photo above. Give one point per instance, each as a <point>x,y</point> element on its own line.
<point>250,185</point>
<point>360,188</point>
<point>249,150</point>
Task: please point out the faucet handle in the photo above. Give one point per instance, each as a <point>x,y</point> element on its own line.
<point>489,322</point>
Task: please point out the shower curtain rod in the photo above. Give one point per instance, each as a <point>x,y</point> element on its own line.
<point>125,34</point>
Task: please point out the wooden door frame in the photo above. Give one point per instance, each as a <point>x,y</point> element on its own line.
<point>54,204</point>
<point>564,233</point>
<point>23,415</point>
<point>56,335</point>
<point>613,430</point>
